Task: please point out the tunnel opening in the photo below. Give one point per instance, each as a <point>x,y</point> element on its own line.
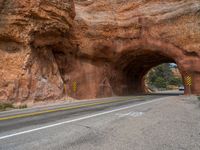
<point>134,67</point>
<point>164,79</point>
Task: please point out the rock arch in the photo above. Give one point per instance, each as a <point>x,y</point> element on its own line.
<point>138,58</point>
<point>45,46</point>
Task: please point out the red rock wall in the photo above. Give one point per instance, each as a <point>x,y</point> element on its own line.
<point>102,47</point>
<point>29,29</point>
<point>134,36</point>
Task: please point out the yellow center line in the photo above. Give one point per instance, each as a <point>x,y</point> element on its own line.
<point>58,109</point>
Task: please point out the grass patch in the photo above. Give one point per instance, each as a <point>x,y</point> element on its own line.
<point>4,106</point>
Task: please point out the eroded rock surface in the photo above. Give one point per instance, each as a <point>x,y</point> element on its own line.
<point>90,48</point>
<point>31,33</point>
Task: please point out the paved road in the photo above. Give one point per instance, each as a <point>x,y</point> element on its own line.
<point>141,123</point>
<point>168,92</point>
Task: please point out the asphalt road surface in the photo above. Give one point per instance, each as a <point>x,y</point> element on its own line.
<point>128,123</point>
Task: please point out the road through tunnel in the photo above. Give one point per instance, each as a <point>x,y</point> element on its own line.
<point>134,65</point>
<point>89,49</point>
<point>123,73</point>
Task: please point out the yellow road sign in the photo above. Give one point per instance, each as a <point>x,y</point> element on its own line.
<point>74,86</point>
<point>65,88</point>
<point>188,80</point>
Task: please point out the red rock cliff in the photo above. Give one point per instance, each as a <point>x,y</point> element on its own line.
<point>105,50</point>
<point>31,32</point>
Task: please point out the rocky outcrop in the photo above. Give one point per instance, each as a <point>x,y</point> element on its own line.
<point>31,34</point>
<point>134,36</point>
<point>89,48</point>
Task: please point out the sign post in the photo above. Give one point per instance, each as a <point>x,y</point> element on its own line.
<point>65,88</point>
<point>188,81</point>
<point>74,87</point>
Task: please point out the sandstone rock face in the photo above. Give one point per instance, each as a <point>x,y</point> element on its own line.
<point>90,48</point>
<point>31,34</point>
<point>134,36</point>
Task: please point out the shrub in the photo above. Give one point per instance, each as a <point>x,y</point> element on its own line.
<point>22,106</point>
<point>4,106</point>
<point>160,83</point>
<point>175,81</point>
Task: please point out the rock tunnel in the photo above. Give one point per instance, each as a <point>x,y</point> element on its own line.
<point>135,61</point>
<point>135,65</point>
<point>88,48</point>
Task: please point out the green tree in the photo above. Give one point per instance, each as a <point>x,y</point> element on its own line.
<point>175,81</point>
<point>160,82</point>
<point>162,76</point>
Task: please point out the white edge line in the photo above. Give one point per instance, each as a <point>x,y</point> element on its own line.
<point>78,119</point>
